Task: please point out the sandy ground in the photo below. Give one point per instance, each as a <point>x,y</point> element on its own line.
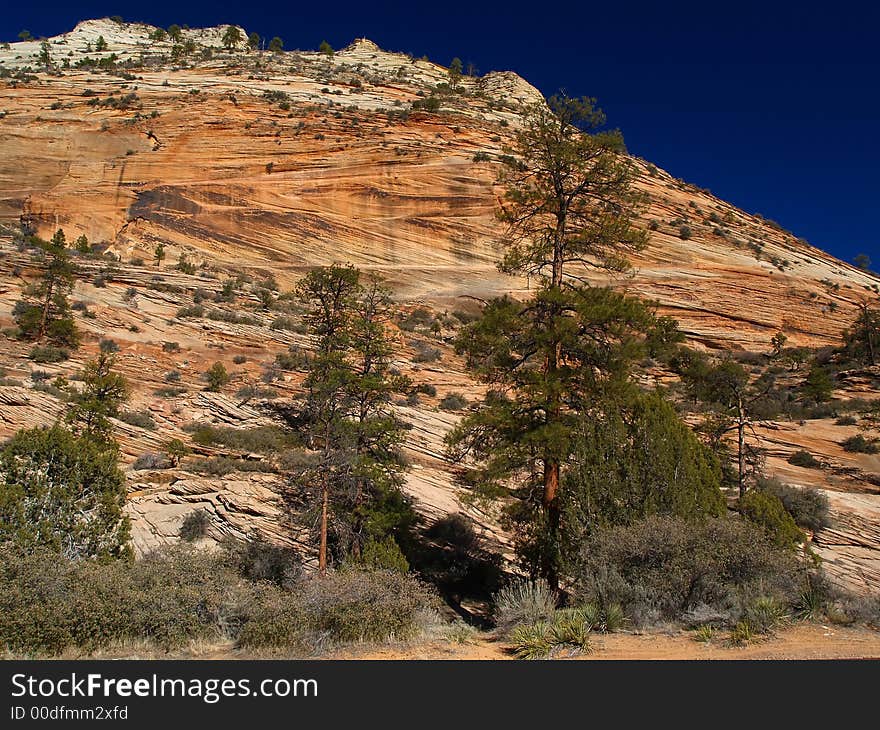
<point>803,641</point>
<point>799,641</point>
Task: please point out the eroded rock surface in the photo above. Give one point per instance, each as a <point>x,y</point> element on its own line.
<point>260,165</point>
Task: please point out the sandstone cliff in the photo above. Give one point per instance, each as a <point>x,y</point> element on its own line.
<point>259,164</point>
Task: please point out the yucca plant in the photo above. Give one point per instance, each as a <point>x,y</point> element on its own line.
<point>742,634</point>
<point>591,613</point>
<point>613,617</point>
<point>570,629</point>
<point>532,641</point>
<point>765,614</point>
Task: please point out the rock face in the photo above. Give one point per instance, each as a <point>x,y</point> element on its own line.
<point>260,164</point>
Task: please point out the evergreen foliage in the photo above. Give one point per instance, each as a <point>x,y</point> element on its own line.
<point>45,310</point>
<point>62,492</point>
<point>346,413</point>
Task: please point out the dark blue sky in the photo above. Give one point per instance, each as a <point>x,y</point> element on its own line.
<point>773,106</point>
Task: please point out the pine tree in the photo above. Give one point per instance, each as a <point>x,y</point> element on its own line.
<point>231,37</point>
<point>455,68</point>
<point>276,45</point>
<point>862,261</point>
<point>379,508</point>
<point>345,412</point>
<point>45,310</point>
<point>253,41</point>
<point>818,385</point>
<point>176,450</point>
<point>516,442</point>
<point>104,392</point>
<point>569,204</point>
<point>45,54</point>
<point>862,339</point>
<point>734,397</point>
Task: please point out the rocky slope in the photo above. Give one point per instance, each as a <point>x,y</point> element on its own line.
<point>259,165</point>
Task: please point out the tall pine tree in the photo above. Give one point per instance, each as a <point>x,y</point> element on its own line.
<point>345,412</point>
<point>44,311</point>
<point>570,206</point>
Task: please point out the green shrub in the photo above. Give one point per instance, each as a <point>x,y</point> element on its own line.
<point>857,444</point>
<point>805,459</point>
<point>453,402</point>
<point>278,623</point>
<point>864,609</point>
<point>383,555</point>
<point>532,641</point>
<point>176,595</point>
<point>628,463</point>
<point>613,617</point>
<point>259,439</point>
<point>674,569</point>
<point>366,606</point>
<point>190,311</point>
<point>295,359</point>
<point>765,509</point>
<point>49,604</point>
<point>170,392</point>
<point>62,492</point>
<point>570,629</point>
<point>224,315</point>
<point>48,354</point>
<point>847,420</point>
<point>808,507</point>
<point>141,419</point>
<point>287,323</point>
<point>741,634</point>
<point>419,319</point>
<point>425,353</point>
<point>566,631</point>
<point>151,460</point>
<point>216,376</point>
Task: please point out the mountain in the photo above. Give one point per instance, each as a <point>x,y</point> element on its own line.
<point>259,165</point>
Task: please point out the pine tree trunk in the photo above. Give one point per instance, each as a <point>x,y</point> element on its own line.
<point>550,501</point>
<point>50,285</point>
<point>741,433</point>
<point>322,551</point>
<point>551,508</point>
